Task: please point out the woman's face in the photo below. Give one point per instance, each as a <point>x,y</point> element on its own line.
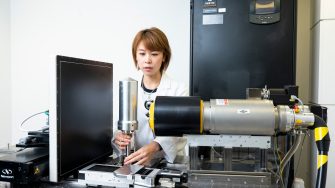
<point>149,62</point>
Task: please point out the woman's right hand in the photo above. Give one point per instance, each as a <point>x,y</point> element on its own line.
<point>122,140</point>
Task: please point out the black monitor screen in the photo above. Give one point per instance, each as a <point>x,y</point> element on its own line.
<point>84,112</point>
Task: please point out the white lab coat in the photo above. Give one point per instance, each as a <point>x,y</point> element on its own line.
<point>144,135</point>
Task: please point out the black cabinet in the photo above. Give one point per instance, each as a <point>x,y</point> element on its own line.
<point>230,51</point>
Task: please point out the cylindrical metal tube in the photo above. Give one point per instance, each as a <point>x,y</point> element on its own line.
<point>291,152</point>
<point>285,118</point>
<point>127,105</point>
<point>233,116</point>
<point>175,116</point>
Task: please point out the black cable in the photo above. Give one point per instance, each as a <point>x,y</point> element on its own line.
<point>21,149</point>
<point>170,168</point>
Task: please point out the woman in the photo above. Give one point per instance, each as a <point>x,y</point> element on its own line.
<point>151,54</point>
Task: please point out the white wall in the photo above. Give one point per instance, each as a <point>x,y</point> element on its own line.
<point>5,80</point>
<point>94,29</point>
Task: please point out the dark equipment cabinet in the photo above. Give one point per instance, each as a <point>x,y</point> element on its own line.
<point>230,52</point>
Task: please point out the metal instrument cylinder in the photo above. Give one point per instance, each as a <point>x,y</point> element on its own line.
<point>175,116</point>
<point>233,116</point>
<point>304,117</point>
<point>127,105</point>
<point>285,118</point>
<point>128,108</point>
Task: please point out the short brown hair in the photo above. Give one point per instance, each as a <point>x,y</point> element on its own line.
<point>154,40</point>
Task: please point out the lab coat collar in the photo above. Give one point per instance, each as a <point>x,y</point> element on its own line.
<point>164,84</point>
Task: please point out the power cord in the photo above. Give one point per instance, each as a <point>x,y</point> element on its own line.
<point>276,153</point>
<point>43,128</point>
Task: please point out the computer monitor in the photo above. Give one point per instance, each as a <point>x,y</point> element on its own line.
<point>81,115</point>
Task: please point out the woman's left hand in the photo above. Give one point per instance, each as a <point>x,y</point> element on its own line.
<point>144,155</point>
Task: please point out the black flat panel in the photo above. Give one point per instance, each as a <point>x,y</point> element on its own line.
<point>84,112</point>
<point>227,58</point>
